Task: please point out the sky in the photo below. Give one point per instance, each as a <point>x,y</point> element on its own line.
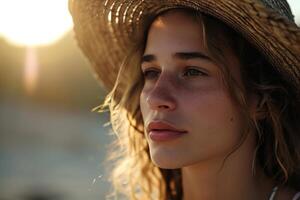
<point>295,6</point>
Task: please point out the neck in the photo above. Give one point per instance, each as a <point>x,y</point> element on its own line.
<point>210,180</point>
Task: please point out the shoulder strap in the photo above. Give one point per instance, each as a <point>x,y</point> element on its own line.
<point>274,190</point>
<point>297,196</point>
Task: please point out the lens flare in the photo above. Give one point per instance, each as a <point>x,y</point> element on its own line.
<point>30,71</point>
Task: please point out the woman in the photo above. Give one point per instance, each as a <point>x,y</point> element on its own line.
<point>203,95</point>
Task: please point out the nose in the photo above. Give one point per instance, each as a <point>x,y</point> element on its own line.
<point>161,97</point>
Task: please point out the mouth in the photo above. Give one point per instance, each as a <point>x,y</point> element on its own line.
<point>162,131</point>
<point>163,126</point>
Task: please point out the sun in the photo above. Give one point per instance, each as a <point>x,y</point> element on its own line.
<point>34,22</point>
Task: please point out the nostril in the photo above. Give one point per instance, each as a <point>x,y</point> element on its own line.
<point>163,106</point>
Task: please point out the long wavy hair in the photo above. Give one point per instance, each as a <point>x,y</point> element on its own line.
<point>276,122</point>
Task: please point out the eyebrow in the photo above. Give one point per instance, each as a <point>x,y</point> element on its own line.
<point>179,55</point>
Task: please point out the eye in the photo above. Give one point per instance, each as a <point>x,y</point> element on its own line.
<point>194,72</point>
<point>150,74</point>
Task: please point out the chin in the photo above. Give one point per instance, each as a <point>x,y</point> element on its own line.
<point>166,162</point>
<point>166,165</point>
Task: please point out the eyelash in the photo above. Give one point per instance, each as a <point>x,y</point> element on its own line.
<point>147,71</point>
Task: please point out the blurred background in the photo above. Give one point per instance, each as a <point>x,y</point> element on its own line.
<point>52,147</point>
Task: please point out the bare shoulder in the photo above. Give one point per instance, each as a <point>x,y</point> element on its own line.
<point>287,193</point>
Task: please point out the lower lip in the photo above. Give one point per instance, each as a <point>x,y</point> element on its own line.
<point>161,136</point>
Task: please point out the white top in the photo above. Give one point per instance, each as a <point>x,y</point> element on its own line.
<point>297,196</point>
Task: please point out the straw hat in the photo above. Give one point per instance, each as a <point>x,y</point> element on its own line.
<point>105,29</point>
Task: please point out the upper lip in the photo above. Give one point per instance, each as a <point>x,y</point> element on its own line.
<point>160,126</point>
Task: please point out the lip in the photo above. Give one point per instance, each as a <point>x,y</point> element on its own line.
<point>162,131</point>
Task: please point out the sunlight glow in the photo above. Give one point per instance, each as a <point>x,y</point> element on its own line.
<point>31,71</point>
<point>34,22</point>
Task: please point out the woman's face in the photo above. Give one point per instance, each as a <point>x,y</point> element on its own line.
<point>183,88</point>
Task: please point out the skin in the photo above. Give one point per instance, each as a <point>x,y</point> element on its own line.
<point>189,94</point>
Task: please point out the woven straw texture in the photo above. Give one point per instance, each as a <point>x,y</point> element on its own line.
<point>105,29</point>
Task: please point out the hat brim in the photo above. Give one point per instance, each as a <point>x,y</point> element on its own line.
<point>104,30</point>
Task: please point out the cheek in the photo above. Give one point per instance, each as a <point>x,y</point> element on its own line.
<point>215,125</point>
<point>212,107</point>
<point>210,103</point>
<point>214,116</point>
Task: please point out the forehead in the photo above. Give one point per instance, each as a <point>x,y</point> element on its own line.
<point>174,30</point>
<point>176,16</point>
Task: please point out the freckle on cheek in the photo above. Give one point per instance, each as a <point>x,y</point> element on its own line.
<point>231,119</point>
